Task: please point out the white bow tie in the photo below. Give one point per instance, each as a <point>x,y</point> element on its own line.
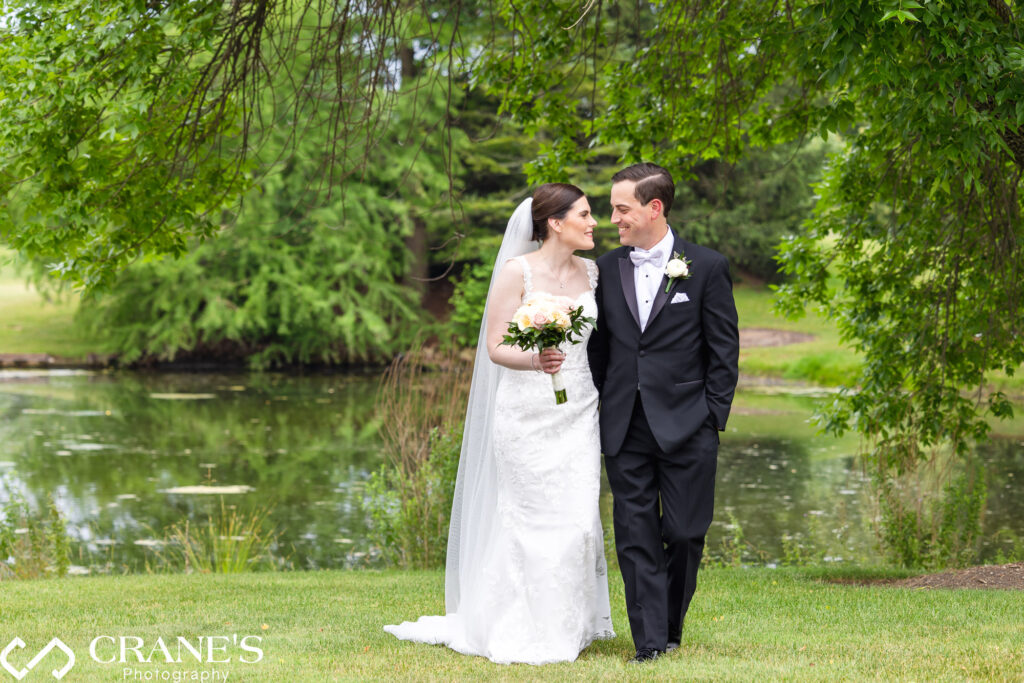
<point>640,256</point>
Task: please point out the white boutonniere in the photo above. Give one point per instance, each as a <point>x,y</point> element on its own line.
<point>678,267</point>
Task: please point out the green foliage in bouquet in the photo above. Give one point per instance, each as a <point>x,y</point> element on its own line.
<point>550,334</point>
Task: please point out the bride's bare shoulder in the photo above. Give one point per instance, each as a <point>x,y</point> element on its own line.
<point>511,278</point>
<point>512,267</point>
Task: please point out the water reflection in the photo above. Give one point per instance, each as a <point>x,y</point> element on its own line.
<point>1004,508</point>
<point>123,465</point>
<point>128,455</point>
<point>782,501</point>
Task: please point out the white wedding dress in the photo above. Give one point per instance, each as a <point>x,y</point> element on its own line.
<point>541,592</point>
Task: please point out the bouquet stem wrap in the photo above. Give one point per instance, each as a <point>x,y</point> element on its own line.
<point>558,384</point>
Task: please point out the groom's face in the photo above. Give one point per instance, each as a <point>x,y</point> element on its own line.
<point>633,219</point>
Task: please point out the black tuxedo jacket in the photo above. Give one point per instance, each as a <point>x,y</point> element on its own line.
<point>684,364</point>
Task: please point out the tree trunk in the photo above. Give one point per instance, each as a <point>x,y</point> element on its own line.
<point>416,243</point>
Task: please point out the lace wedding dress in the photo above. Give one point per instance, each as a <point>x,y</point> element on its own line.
<point>541,594</point>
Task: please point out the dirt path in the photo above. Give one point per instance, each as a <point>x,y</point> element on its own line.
<point>764,336</point>
<point>1006,576</point>
<point>993,576</point>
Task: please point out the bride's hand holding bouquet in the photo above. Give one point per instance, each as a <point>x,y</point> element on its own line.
<point>543,322</point>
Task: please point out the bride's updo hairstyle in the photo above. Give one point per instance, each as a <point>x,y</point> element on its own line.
<point>552,200</point>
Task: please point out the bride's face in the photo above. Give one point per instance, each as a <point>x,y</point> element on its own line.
<point>577,228</point>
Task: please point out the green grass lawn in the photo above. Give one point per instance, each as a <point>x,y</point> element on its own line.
<point>29,323</point>
<point>824,361</point>
<point>744,625</point>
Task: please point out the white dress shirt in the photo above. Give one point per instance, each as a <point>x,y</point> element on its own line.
<point>648,275</point>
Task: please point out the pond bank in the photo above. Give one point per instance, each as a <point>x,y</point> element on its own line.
<point>92,361</point>
<point>749,338</point>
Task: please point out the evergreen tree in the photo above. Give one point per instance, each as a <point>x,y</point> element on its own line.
<point>316,266</point>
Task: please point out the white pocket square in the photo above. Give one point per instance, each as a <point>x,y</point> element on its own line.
<point>679,298</point>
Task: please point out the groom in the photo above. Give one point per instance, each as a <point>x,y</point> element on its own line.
<point>664,358</point>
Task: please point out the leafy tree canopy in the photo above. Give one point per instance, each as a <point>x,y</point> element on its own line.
<point>914,247</point>
<point>123,128</point>
<point>126,126</point>
<point>303,272</point>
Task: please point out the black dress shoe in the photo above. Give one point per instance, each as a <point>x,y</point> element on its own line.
<point>674,638</point>
<point>645,654</point>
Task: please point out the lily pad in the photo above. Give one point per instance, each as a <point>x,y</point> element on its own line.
<point>208,490</point>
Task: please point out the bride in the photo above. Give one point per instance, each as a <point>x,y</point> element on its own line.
<point>525,576</point>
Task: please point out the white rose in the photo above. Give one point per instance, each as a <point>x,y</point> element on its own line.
<point>551,308</point>
<point>677,268</point>
<point>523,318</point>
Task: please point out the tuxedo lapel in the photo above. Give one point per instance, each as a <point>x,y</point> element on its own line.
<point>628,286</point>
<point>663,289</point>
<point>659,300</point>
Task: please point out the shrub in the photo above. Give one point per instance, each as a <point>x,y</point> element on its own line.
<point>932,520</point>
<point>467,303</point>
<point>232,542</point>
<point>31,547</point>
<point>410,510</point>
<point>409,498</point>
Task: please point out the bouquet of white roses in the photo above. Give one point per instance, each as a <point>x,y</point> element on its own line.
<point>543,322</point>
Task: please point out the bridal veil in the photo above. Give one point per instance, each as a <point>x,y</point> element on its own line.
<point>474,515</point>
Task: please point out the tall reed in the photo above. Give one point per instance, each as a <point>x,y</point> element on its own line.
<point>421,402</point>
<point>232,542</point>
<point>421,390</point>
<point>30,546</point>
<point>930,516</point>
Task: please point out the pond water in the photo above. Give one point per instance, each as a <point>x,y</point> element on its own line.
<point>126,456</point>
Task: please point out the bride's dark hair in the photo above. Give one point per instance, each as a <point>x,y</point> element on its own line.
<point>551,200</point>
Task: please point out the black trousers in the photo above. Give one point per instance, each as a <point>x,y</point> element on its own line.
<point>662,508</point>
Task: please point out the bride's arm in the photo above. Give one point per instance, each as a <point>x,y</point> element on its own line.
<point>506,296</point>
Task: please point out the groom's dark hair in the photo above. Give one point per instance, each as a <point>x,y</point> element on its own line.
<point>652,182</point>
